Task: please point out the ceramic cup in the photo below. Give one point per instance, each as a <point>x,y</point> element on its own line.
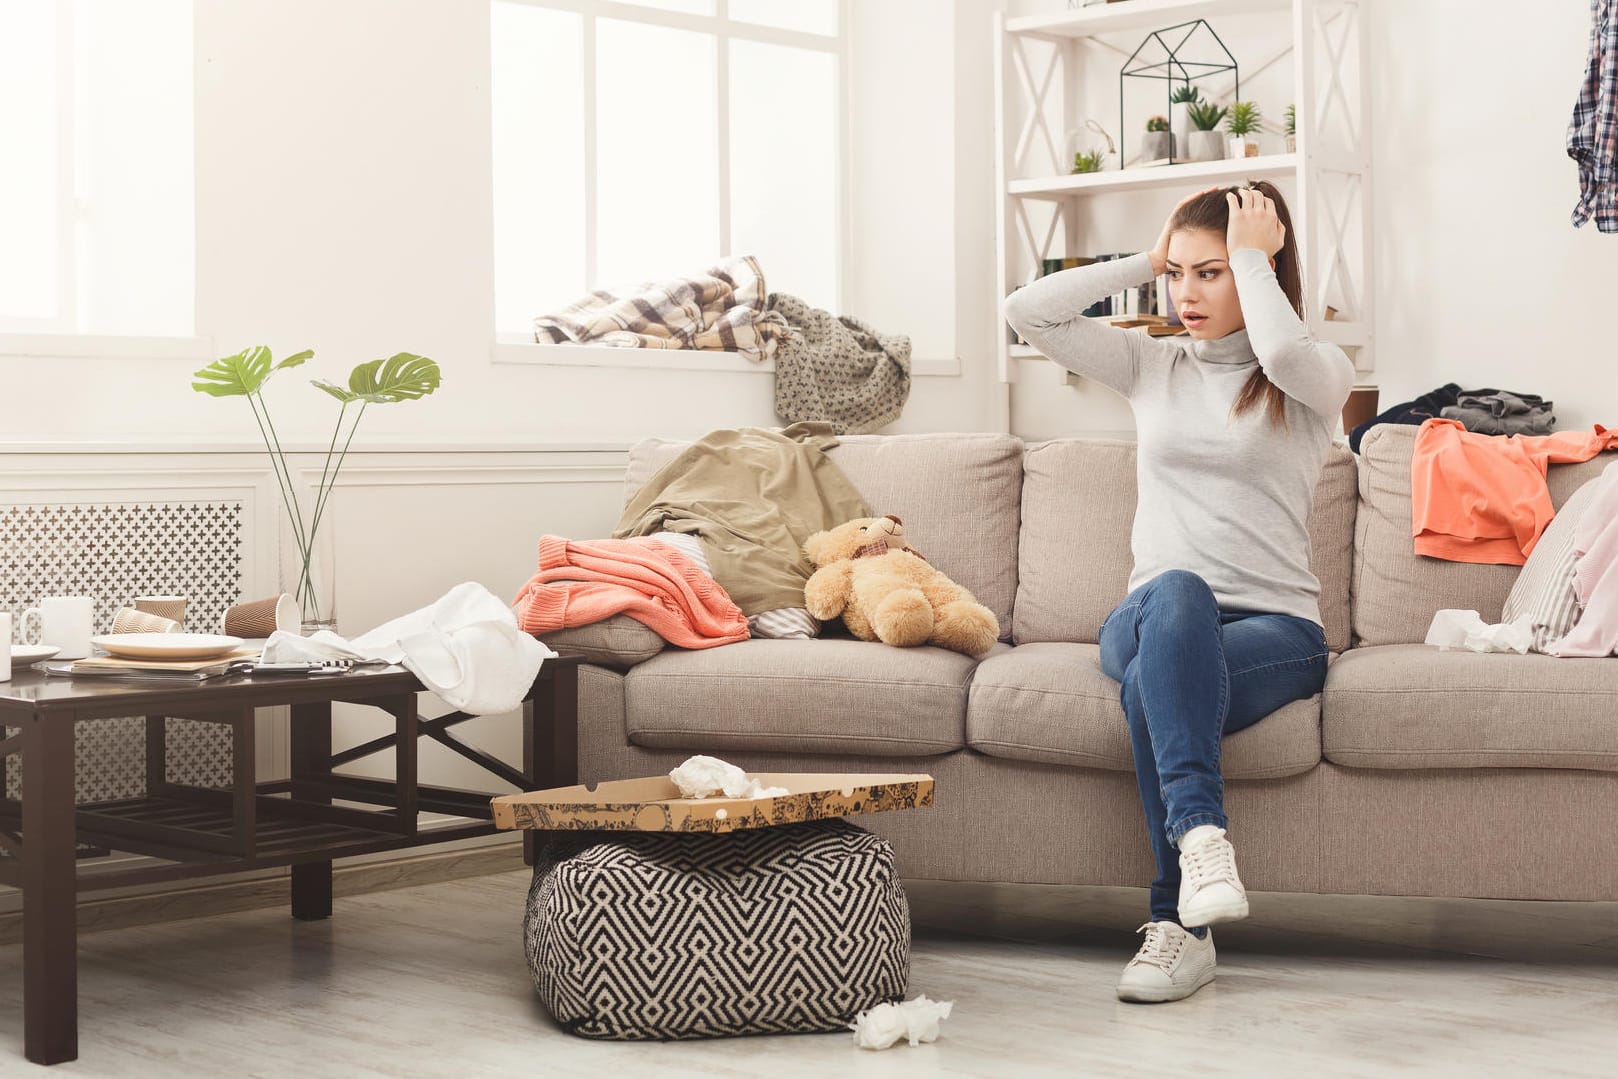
<point>170,607</point>
<point>261,617</point>
<point>129,620</point>
<point>65,623</point>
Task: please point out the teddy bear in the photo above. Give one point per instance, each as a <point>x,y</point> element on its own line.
<point>886,591</point>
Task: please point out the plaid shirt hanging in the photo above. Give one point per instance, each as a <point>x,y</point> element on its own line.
<point>1592,137</point>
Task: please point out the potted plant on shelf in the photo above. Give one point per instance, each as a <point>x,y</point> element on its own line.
<point>1158,143</point>
<point>1242,125</point>
<point>1088,161</point>
<point>1205,143</point>
<point>1292,129</point>
<point>1180,102</point>
<point>306,549</point>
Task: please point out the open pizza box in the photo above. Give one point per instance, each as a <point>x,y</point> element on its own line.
<point>654,804</point>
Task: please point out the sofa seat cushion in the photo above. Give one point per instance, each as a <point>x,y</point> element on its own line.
<point>833,695</point>
<point>1416,706</point>
<point>1051,702</point>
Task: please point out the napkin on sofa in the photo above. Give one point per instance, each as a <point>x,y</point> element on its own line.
<point>1466,629</point>
<point>465,647</point>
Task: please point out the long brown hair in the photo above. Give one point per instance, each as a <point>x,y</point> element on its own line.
<point>1210,211</point>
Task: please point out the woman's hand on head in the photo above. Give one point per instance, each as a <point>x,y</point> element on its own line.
<point>1160,254</point>
<point>1253,223</point>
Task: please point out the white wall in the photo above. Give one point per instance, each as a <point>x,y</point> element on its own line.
<point>1481,279</point>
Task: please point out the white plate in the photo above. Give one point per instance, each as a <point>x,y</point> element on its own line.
<point>32,653</point>
<point>166,645</point>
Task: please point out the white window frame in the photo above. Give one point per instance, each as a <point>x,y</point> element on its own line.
<point>60,336</point>
<point>521,348</point>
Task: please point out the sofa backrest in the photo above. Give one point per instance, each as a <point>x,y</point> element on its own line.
<point>1078,509</point>
<point>1396,591</point>
<point>958,495</point>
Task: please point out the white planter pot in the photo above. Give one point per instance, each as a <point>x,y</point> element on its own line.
<point>1205,146</point>
<point>1243,146</point>
<point>1180,124</point>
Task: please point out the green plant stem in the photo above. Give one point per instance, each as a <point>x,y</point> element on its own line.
<point>283,475</point>
<point>326,468</point>
<point>323,493</point>
<point>296,507</point>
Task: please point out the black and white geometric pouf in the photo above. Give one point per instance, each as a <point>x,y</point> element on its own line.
<point>658,935</point>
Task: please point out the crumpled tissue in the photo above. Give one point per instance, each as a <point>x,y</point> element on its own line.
<point>1466,629</point>
<point>885,1024</point>
<point>702,777</point>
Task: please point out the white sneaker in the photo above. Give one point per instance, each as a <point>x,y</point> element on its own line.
<point>1171,965</point>
<point>1210,890</point>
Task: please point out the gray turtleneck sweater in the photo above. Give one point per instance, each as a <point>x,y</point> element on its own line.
<point>1227,498</point>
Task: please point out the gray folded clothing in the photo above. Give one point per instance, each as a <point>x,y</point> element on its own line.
<point>1501,412</point>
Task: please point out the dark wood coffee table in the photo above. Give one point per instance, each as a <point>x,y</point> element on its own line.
<point>205,832</point>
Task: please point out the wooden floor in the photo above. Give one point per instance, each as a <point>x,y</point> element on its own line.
<point>430,981</point>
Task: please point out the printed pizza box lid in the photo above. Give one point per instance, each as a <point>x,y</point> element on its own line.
<point>654,804</point>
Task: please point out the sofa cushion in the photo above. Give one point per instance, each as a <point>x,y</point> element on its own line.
<point>1077,512</point>
<point>832,695</point>
<point>958,495</point>
<point>1416,706</point>
<point>1396,591</point>
<point>617,641</point>
<point>1052,703</point>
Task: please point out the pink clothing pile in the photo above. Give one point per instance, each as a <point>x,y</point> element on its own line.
<point>1595,574</point>
<point>580,582</point>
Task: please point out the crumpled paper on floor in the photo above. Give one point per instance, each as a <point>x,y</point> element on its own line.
<point>885,1024</point>
<point>1467,629</point>
<point>702,777</point>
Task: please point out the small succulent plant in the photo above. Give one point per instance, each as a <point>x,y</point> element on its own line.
<point>1157,123</point>
<point>1205,115</point>
<point>1243,119</point>
<point>1088,161</point>
<point>1185,95</point>
<point>1292,120</point>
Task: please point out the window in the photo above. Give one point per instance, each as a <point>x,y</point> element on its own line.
<point>638,141</point>
<point>97,206</point>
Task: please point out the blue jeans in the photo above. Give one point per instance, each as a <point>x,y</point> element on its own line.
<point>1190,673</point>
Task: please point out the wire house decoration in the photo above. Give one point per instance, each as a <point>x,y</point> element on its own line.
<point>1169,62</point>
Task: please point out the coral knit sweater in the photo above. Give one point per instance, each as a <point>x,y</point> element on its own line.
<point>1482,498</point>
<point>580,582</point>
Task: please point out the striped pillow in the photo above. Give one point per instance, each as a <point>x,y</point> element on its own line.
<point>1544,587</point>
<point>782,623</point>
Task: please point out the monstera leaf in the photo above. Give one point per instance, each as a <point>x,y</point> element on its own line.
<point>403,376</point>
<point>243,373</point>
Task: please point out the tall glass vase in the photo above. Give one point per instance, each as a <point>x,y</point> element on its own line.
<point>308,566</point>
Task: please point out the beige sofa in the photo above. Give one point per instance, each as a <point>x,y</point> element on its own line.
<point>1416,772</point>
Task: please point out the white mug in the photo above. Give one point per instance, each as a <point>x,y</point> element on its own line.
<point>5,646</point>
<point>64,623</point>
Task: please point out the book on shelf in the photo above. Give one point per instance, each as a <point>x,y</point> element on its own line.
<point>182,670</point>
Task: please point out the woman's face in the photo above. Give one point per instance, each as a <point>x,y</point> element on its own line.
<point>1201,284</point>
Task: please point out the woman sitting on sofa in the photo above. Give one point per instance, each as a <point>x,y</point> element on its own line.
<point>1222,624</point>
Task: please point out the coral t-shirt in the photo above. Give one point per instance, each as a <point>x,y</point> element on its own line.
<point>1482,498</point>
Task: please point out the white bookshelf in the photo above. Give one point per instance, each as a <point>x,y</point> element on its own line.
<point>1185,175</point>
<point>1330,169</point>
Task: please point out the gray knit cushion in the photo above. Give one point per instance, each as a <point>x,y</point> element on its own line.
<point>653,935</point>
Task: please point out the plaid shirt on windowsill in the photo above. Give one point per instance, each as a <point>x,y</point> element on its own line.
<point>1592,137</point>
